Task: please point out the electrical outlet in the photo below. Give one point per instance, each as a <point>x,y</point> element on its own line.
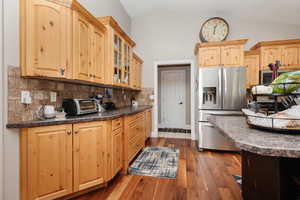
<point>53,96</point>
<point>151,97</point>
<point>25,97</point>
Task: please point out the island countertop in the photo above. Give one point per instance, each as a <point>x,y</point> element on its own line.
<point>257,141</point>
<point>109,115</point>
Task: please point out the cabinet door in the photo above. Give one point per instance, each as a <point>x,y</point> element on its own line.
<point>252,64</point>
<point>149,123</point>
<point>81,55</point>
<point>89,154</point>
<point>133,74</point>
<point>117,150</point>
<point>232,56</point>
<point>44,39</point>
<point>49,162</point>
<point>138,75</point>
<point>210,57</point>
<point>290,56</point>
<point>97,55</point>
<point>270,55</point>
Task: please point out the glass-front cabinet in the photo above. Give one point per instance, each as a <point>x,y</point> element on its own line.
<point>119,55</point>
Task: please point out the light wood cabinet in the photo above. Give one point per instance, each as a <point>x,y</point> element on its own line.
<point>148,121</point>
<point>88,49</point>
<point>221,54</point>
<point>89,154</point>
<point>285,51</point>
<point>119,53</point>
<point>46,162</point>
<point>45,43</point>
<point>134,137</point>
<point>136,69</point>
<point>252,64</point>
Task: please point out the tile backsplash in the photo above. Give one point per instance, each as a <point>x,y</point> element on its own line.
<point>40,93</point>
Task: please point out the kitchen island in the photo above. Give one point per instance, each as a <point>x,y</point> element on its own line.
<point>270,161</point>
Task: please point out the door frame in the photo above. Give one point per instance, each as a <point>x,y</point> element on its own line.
<point>2,116</point>
<point>191,64</point>
<point>161,81</point>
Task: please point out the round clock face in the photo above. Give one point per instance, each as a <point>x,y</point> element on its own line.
<point>214,30</point>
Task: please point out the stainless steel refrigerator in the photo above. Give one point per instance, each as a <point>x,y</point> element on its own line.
<point>222,91</point>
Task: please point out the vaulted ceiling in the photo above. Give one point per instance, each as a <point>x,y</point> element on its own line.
<point>276,11</point>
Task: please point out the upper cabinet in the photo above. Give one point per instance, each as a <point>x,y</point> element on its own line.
<point>119,54</point>
<point>252,64</point>
<point>45,39</point>
<point>136,69</point>
<point>88,46</point>
<point>285,51</point>
<point>61,39</point>
<point>221,54</point>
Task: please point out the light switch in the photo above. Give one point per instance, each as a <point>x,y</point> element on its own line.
<point>25,97</point>
<point>53,96</point>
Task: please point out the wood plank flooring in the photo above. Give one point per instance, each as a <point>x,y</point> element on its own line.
<point>201,175</point>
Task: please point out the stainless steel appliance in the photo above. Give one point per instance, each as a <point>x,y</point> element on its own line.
<point>266,76</point>
<point>75,107</point>
<point>221,91</point>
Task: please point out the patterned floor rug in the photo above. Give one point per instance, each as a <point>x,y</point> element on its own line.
<point>157,162</point>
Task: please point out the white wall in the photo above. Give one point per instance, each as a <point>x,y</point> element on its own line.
<point>11,57</point>
<point>113,8</point>
<point>172,36</point>
<point>1,105</point>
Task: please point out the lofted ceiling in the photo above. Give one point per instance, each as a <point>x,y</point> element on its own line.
<point>276,11</point>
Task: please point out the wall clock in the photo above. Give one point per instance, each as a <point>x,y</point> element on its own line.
<point>214,30</point>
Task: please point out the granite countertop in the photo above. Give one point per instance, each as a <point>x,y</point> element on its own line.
<point>257,141</point>
<point>109,115</point>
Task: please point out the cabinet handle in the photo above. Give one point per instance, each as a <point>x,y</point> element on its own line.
<point>69,132</point>
<point>91,75</point>
<point>94,76</point>
<point>62,71</point>
<point>76,132</point>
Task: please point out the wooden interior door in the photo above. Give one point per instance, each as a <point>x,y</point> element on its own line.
<point>252,64</point>
<point>89,154</point>
<point>117,150</point>
<point>270,55</point>
<point>82,46</point>
<point>210,57</point>
<point>232,56</point>
<point>290,56</point>
<point>98,55</point>
<point>49,162</point>
<point>47,36</point>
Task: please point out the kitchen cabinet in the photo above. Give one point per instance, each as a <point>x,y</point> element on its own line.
<point>134,137</point>
<point>89,154</point>
<point>221,54</point>
<point>119,53</point>
<point>115,149</point>
<point>46,162</point>
<point>135,81</point>
<point>148,126</point>
<point>88,50</point>
<point>45,43</point>
<point>285,51</point>
<point>252,64</point>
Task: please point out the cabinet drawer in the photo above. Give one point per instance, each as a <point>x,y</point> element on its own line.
<point>135,117</point>
<point>117,123</point>
<point>134,147</point>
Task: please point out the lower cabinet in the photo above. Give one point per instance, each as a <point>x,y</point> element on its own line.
<point>46,162</point>
<point>148,126</point>
<point>117,150</point>
<point>62,159</point>
<point>134,137</point>
<point>89,146</point>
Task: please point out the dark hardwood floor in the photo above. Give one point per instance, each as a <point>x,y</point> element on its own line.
<point>201,175</point>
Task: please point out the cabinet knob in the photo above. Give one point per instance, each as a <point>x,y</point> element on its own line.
<point>69,132</point>
<point>91,75</point>
<point>62,71</point>
<point>76,132</point>
<point>94,76</point>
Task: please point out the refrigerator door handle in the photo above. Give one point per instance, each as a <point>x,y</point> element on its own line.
<point>220,90</point>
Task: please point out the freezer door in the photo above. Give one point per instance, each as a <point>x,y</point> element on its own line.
<point>210,92</point>
<point>211,138</point>
<point>234,88</point>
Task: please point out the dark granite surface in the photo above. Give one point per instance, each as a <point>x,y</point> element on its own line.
<point>109,115</point>
<point>256,141</point>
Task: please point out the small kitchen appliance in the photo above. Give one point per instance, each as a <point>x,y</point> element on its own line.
<point>74,107</point>
<point>47,112</point>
